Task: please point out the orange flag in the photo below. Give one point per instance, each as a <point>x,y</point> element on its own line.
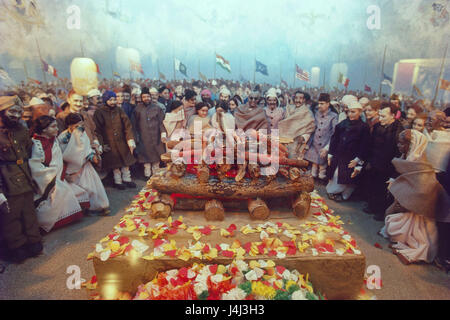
<point>445,85</point>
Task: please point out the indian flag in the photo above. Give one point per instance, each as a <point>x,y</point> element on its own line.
<point>223,63</point>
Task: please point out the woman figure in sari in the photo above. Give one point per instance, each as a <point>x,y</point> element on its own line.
<point>58,202</point>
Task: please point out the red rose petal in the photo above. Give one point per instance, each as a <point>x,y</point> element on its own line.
<point>280,269</point>
<point>171,231</point>
<point>176,223</point>
<point>206,249</point>
<point>157,243</point>
<point>272,253</point>
<point>228,254</point>
<point>206,230</point>
<point>218,248</point>
<point>183,272</point>
<point>279,224</point>
<point>261,248</point>
<point>173,282</point>
<point>377,245</point>
<point>171,253</point>
<point>291,251</point>
<point>231,228</point>
<point>317,213</point>
<point>247,246</point>
<point>123,240</point>
<point>213,268</point>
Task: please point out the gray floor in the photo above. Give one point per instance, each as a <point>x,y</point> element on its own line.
<point>45,277</point>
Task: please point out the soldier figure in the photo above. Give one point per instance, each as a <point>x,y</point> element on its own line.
<point>19,228</point>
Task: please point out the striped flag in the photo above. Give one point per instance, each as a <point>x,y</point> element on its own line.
<point>302,74</point>
<point>162,76</point>
<point>367,88</point>
<point>225,64</point>
<point>135,66</point>
<point>343,80</point>
<point>116,75</point>
<point>180,67</point>
<point>49,69</point>
<point>284,83</point>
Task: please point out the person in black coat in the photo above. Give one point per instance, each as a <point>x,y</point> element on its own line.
<point>383,148</point>
<point>349,148</point>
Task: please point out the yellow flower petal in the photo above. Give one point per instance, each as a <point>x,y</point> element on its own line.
<point>221,269</point>
<point>224,233</point>
<point>197,235</point>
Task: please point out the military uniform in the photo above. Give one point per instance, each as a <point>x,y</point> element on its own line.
<point>18,227</point>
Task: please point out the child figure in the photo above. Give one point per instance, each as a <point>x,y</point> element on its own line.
<point>202,109</point>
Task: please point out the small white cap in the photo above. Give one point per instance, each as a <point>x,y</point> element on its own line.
<point>348,99</point>
<point>36,102</point>
<point>364,101</point>
<point>93,93</point>
<point>355,105</point>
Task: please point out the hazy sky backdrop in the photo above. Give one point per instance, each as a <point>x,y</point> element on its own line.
<point>278,33</point>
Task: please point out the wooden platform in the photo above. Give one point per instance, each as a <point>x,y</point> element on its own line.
<point>338,274</point>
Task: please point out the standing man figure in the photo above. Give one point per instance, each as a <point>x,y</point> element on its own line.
<point>149,119</point>
<point>115,132</point>
<point>383,148</point>
<point>19,227</point>
<point>349,147</point>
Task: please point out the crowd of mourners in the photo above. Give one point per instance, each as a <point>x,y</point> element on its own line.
<point>57,146</point>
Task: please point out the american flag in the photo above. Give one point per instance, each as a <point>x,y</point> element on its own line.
<point>301,74</point>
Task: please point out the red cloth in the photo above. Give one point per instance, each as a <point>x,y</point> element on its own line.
<point>47,145</point>
<point>75,217</point>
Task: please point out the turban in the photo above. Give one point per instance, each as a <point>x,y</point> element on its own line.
<point>225,92</point>
<point>206,92</point>
<point>108,95</point>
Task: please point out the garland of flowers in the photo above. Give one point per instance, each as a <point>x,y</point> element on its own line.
<point>259,280</point>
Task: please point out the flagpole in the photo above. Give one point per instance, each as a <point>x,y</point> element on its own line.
<point>240,69</point>
<point>295,64</point>
<point>382,70</point>
<point>82,50</point>
<point>40,58</point>
<point>440,76</point>
<point>254,74</point>
<point>365,79</point>
<point>157,66</point>
<point>112,71</point>
<point>198,68</point>
<point>173,61</point>
<point>280,73</point>
<point>26,71</point>
<point>215,64</point>
<point>324,71</point>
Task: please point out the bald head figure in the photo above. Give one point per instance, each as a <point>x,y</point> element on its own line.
<point>436,120</point>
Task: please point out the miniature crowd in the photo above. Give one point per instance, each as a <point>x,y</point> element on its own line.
<point>58,146</point>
